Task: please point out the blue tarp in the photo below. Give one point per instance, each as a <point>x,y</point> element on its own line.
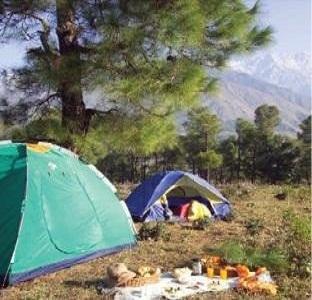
<point>141,202</point>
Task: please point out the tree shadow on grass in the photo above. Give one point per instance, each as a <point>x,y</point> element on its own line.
<point>101,286</point>
<point>86,284</point>
<point>211,250</point>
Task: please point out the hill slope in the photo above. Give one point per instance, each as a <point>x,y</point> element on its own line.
<point>240,94</point>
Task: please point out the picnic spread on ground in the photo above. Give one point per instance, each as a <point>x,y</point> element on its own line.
<point>166,196</point>
<point>208,274</point>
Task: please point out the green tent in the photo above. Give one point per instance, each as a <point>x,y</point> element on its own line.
<point>55,211</point>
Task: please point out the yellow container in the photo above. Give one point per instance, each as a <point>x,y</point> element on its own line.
<point>223,273</point>
<point>210,272</point>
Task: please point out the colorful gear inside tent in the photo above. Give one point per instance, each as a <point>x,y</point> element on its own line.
<point>180,188</point>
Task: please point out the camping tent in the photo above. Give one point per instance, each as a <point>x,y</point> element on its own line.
<point>55,211</point>
<point>180,188</point>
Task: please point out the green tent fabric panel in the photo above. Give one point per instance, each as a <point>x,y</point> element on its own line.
<point>34,247</point>
<point>69,215</point>
<point>63,218</point>
<point>13,175</point>
<point>113,219</point>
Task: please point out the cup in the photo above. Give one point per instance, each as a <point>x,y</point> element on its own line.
<point>223,273</point>
<point>210,272</point>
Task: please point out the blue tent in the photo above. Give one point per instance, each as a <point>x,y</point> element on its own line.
<point>179,188</point>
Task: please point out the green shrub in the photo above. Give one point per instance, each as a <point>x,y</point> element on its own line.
<point>201,224</point>
<point>153,231</point>
<point>299,226</point>
<point>294,193</point>
<point>272,259</point>
<point>275,260</point>
<point>230,217</point>
<point>234,252</point>
<point>237,191</point>
<point>303,193</point>
<point>281,196</point>
<point>254,226</point>
<point>295,235</point>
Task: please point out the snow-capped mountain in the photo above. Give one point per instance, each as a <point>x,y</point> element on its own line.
<point>282,80</point>
<point>240,94</point>
<point>291,71</point>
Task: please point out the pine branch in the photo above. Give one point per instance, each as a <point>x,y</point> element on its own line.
<point>44,103</point>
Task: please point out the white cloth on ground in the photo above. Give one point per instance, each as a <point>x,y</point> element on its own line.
<point>169,288</point>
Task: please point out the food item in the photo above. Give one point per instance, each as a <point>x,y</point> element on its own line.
<point>182,274</point>
<point>216,271</point>
<point>125,277</point>
<point>212,260</point>
<point>267,287</point>
<point>113,271</point>
<point>253,285</point>
<point>153,276</point>
<point>242,271</point>
<point>264,276</point>
<point>247,283</point>
<point>119,275</point>
<point>216,260</point>
<point>145,271</point>
<point>261,270</point>
<point>231,271</point>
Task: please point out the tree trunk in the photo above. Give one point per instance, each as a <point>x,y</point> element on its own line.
<point>221,175</point>
<point>144,167</point>
<point>132,160</point>
<point>253,175</point>
<point>74,115</point>
<point>156,162</point>
<point>231,174</point>
<point>308,176</point>
<point>206,170</point>
<point>239,159</point>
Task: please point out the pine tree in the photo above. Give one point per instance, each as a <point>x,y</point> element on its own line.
<point>229,150</point>
<point>283,157</point>
<point>150,57</point>
<point>4,134</point>
<point>304,138</point>
<point>266,120</point>
<point>202,129</point>
<point>247,149</point>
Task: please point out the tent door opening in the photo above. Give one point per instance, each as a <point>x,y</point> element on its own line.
<point>64,230</point>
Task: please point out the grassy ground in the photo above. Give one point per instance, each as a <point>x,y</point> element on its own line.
<point>249,202</point>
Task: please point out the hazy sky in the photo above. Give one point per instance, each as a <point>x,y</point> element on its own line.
<point>291,20</point>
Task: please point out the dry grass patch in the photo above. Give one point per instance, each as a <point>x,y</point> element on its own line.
<point>81,281</point>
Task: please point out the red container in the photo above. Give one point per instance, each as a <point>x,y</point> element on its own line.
<point>181,211</point>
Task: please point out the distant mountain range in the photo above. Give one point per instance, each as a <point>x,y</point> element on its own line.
<point>280,80</point>
<point>289,71</point>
